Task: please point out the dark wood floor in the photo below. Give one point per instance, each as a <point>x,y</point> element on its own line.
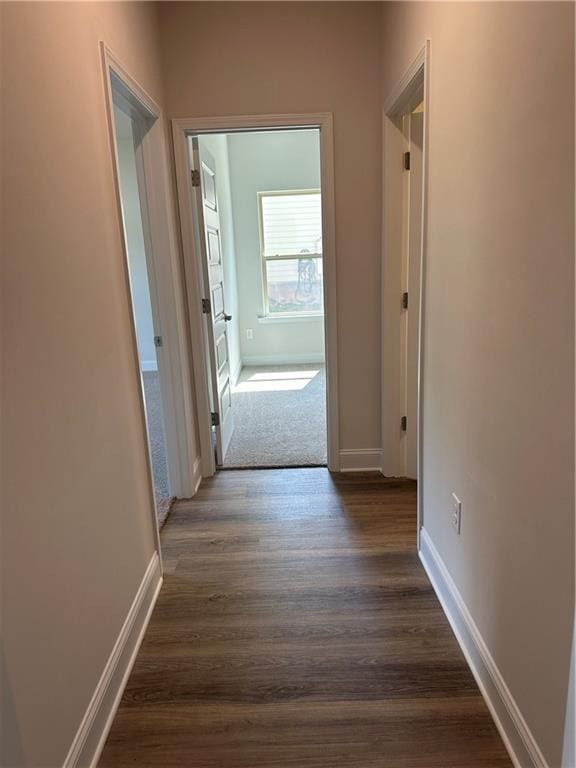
<point>296,627</point>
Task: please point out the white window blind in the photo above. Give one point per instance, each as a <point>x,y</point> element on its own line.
<point>291,224</point>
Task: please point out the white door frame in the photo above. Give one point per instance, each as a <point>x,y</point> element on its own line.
<point>403,97</point>
<point>183,127</point>
<point>166,290</point>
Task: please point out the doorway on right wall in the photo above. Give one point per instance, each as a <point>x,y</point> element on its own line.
<point>403,269</point>
<point>413,130</point>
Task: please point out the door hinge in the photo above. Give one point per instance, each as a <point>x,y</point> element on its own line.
<point>406,161</point>
<point>195,177</point>
<point>206,307</point>
<point>405,300</point>
<point>215,419</point>
<point>403,423</point>
<point>158,341</point>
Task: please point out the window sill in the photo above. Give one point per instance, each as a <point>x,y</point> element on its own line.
<point>272,319</point>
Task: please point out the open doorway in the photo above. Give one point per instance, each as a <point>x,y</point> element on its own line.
<point>403,274</point>
<point>129,127</point>
<point>413,131</point>
<point>261,197</point>
<point>151,263</point>
<point>258,221</point>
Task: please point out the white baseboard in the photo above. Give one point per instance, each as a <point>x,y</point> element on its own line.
<point>360,460</point>
<point>148,365</point>
<point>261,360</point>
<point>91,735</point>
<point>517,737</point>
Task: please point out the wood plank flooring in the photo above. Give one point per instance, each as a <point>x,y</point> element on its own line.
<point>296,627</point>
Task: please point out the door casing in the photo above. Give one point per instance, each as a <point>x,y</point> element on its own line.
<point>166,290</point>
<point>196,290</point>
<point>412,88</point>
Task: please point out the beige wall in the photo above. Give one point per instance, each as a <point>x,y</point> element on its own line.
<point>77,533</point>
<point>303,57</point>
<point>498,369</point>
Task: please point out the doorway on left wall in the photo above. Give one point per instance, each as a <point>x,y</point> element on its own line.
<point>129,129</point>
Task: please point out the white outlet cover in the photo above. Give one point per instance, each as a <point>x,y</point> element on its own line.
<point>249,333</point>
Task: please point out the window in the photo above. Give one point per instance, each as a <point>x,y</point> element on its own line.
<point>291,246</point>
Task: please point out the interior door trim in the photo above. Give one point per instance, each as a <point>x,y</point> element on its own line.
<point>401,97</point>
<point>164,273</point>
<point>181,129</point>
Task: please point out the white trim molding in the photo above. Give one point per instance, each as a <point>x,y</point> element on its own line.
<point>312,359</point>
<point>361,460</point>
<point>400,96</point>
<point>93,731</point>
<point>518,739</point>
<point>147,110</point>
<point>414,84</point>
<point>280,318</point>
<point>163,267</point>
<point>182,128</point>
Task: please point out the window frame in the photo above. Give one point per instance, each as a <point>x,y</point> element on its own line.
<point>279,316</point>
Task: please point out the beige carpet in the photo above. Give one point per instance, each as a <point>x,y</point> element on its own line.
<point>280,417</point>
<point>157,444</point>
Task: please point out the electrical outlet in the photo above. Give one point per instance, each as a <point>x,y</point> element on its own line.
<point>456,513</point>
<point>249,333</point>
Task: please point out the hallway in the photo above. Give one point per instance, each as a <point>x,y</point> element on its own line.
<point>296,627</point>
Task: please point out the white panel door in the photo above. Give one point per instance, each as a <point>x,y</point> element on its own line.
<point>204,172</point>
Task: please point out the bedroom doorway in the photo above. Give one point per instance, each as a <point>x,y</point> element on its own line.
<point>257,233</point>
<point>153,285</point>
